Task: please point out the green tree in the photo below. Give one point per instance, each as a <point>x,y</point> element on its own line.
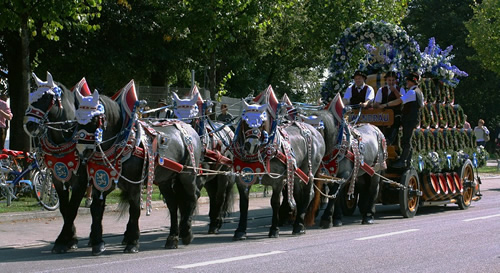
<point>22,21</point>
<point>484,33</point>
<point>283,43</point>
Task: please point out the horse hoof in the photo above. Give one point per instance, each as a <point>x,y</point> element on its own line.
<point>186,240</point>
<point>98,249</point>
<point>367,221</point>
<point>172,242</point>
<point>274,233</point>
<point>239,236</point>
<point>325,224</point>
<point>61,249</point>
<point>131,248</point>
<point>213,230</point>
<point>299,230</point>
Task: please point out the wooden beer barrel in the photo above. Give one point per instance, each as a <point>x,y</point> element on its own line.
<point>452,189</point>
<point>430,187</point>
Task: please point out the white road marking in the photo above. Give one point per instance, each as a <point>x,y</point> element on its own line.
<point>385,234</point>
<point>227,260</point>
<point>481,218</point>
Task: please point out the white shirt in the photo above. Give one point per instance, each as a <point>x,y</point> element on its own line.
<point>370,93</point>
<point>378,97</point>
<point>410,95</point>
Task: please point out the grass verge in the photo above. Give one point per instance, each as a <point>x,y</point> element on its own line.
<point>30,203</point>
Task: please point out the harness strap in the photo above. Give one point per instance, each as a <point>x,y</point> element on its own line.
<point>290,163</point>
<point>357,164</point>
<point>217,157</point>
<point>151,144</point>
<point>301,174</point>
<point>188,140</point>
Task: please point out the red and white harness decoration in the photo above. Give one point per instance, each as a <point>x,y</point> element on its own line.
<point>103,168</point>
<point>350,149</point>
<point>255,166</point>
<point>62,160</point>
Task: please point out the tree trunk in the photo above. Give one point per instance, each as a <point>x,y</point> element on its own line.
<point>19,84</point>
<point>212,82</point>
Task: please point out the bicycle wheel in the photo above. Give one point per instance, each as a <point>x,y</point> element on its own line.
<point>44,189</point>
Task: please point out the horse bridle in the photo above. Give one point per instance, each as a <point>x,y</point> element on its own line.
<point>39,116</point>
<point>89,141</point>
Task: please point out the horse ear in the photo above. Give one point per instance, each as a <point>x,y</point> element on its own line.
<point>176,98</point>
<point>50,80</point>
<point>95,96</point>
<point>37,80</point>
<point>263,107</point>
<point>245,105</point>
<point>79,97</point>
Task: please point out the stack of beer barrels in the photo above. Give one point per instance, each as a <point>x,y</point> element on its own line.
<point>440,143</point>
<point>440,130</point>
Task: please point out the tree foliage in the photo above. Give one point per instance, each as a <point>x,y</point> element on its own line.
<point>20,23</point>
<point>484,34</point>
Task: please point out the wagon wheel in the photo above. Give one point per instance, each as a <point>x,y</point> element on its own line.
<point>348,204</point>
<point>409,197</point>
<point>467,178</point>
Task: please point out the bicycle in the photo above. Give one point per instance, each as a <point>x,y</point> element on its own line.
<point>12,183</point>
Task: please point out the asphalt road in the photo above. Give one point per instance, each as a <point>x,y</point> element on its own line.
<point>438,239</point>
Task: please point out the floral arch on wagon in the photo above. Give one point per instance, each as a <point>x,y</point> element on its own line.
<point>389,46</point>
<point>376,47</point>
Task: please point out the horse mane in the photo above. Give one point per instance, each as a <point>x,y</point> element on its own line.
<point>330,131</point>
<point>114,117</point>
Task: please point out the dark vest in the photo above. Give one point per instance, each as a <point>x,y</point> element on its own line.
<point>411,109</point>
<point>386,97</point>
<point>358,97</point>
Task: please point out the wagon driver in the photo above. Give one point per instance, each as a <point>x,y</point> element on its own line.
<point>390,91</point>
<point>412,101</point>
<point>359,92</point>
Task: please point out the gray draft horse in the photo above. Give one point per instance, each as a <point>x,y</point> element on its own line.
<point>276,155</point>
<point>53,103</point>
<point>343,160</point>
<point>216,155</point>
<point>178,149</point>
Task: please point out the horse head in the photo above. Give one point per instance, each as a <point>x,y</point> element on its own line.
<point>186,109</point>
<point>90,116</point>
<point>253,127</point>
<point>41,104</point>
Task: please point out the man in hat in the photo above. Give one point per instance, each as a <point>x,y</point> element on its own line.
<point>390,91</point>
<point>412,101</point>
<point>164,113</point>
<point>359,92</point>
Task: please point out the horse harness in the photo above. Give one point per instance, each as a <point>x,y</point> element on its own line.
<point>351,147</point>
<point>258,164</point>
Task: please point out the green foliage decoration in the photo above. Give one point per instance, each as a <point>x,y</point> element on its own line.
<point>443,117</point>
<point>452,119</point>
<point>425,118</point>
<point>459,115</point>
